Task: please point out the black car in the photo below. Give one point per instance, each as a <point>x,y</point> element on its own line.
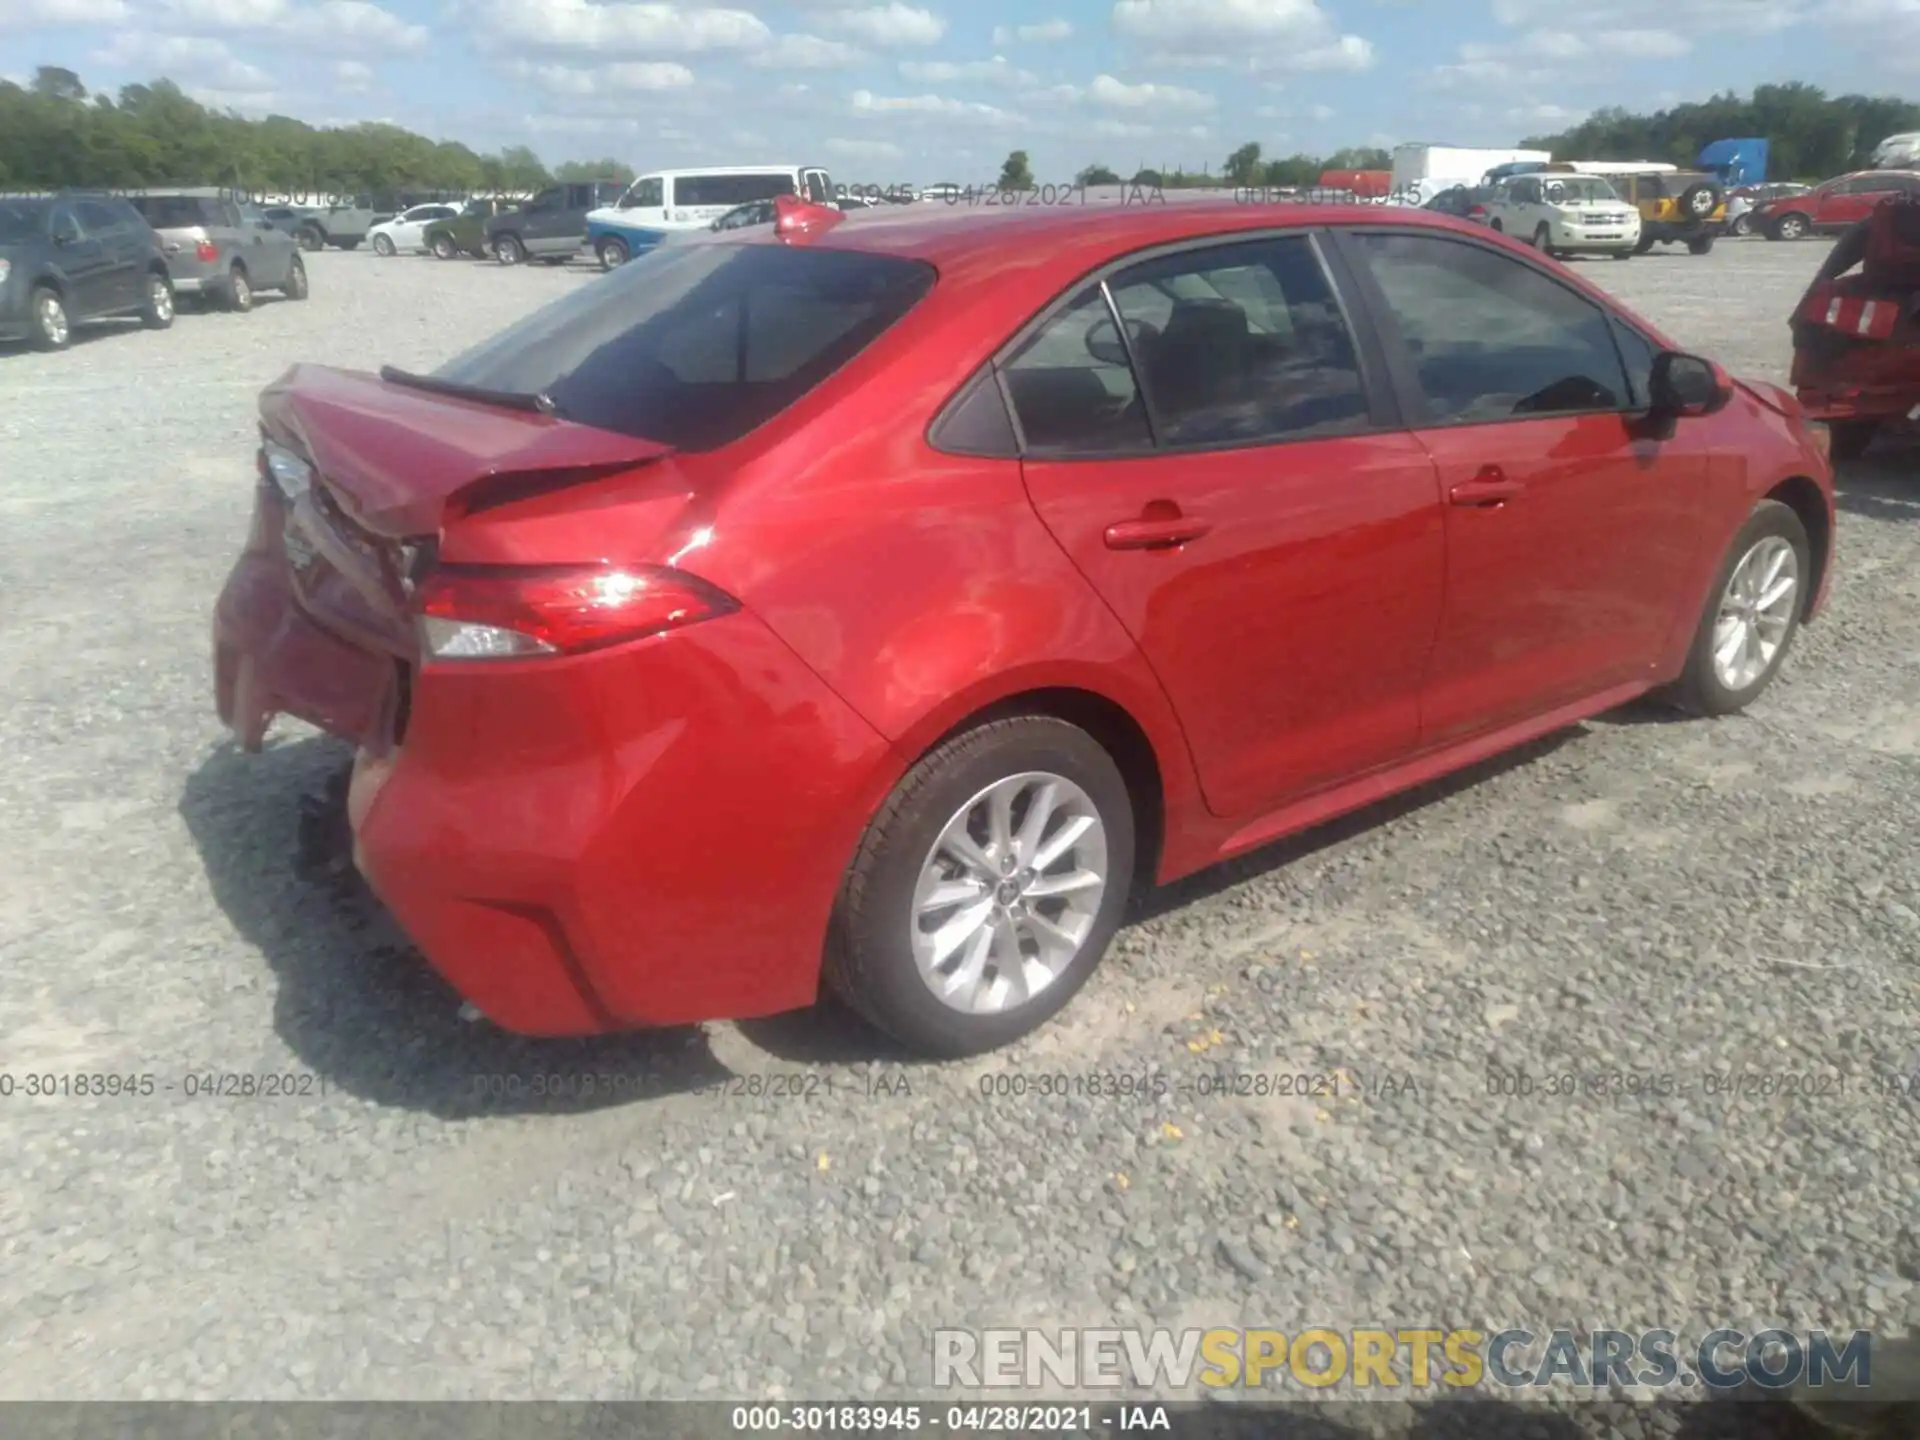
<point>1461,201</point>
<point>66,260</point>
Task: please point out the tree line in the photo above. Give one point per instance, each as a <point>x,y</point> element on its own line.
<point>1814,136</point>
<point>56,134</point>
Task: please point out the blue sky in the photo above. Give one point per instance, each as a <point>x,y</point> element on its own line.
<point>914,91</point>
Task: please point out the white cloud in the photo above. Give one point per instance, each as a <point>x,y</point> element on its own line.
<point>1046,32</point>
<point>806,52</point>
<point>1322,112</point>
<point>329,25</point>
<point>626,77</point>
<point>1224,27</point>
<point>184,58</point>
<point>1349,52</point>
<point>865,149</point>
<point>1117,94</point>
<point>579,125</point>
<point>48,14</point>
<point>891,24</point>
<point>1546,115</point>
<point>353,77</point>
<point>1751,17</point>
<point>997,71</point>
<point>865,102</point>
<point>641,29</point>
<point>252,103</point>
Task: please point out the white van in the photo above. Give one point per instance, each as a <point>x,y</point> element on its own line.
<point>666,201</point>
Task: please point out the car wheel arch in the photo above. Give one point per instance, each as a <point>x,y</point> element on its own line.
<point>1149,767</point>
<point>1799,494</point>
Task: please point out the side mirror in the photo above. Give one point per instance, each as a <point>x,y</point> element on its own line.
<point>66,235</point>
<point>1685,385</point>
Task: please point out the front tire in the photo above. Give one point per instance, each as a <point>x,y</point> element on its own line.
<point>508,250</point>
<point>1788,227</point>
<point>1700,245</point>
<point>1742,226</point>
<point>157,312</point>
<point>987,888</point>
<point>296,286</point>
<point>1542,239</point>
<point>311,238</point>
<point>383,247</point>
<point>613,253</point>
<point>1752,614</point>
<point>444,248</point>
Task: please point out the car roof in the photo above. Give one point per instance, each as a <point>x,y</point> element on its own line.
<point>192,192</point>
<point>727,170</point>
<point>960,240</point>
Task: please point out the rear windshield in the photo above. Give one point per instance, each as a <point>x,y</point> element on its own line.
<point>694,346</point>
<point>21,220</point>
<point>170,212</point>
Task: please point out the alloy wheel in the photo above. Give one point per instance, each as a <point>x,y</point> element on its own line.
<point>1756,612</point>
<point>160,299</point>
<point>53,319</point>
<point>1009,893</point>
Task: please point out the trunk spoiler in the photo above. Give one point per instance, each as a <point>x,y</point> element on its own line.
<point>399,458</point>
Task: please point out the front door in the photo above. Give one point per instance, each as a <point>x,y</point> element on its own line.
<point>87,264</point>
<point>1232,489</point>
<point>1570,528</point>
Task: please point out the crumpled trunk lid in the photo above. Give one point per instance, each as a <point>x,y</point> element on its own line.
<point>315,620</point>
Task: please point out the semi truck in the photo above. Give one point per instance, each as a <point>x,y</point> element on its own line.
<point>1421,171</point>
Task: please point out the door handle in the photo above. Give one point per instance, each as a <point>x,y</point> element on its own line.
<point>1490,488</point>
<point>1155,534</point>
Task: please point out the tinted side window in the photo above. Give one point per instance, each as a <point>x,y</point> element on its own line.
<point>173,212</point>
<point>1070,400</point>
<point>547,200</point>
<point>1490,337</point>
<point>1242,343</point>
<point>97,217</point>
<point>729,189</point>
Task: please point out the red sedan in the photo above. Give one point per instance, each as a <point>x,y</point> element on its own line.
<point>885,599</point>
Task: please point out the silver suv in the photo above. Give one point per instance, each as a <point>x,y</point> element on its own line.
<point>220,247</point>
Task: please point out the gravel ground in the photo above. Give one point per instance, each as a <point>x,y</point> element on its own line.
<point>1664,898</point>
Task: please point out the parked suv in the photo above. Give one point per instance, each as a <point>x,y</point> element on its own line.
<point>552,226</point>
<point>1829,208</point>
<point>1745,199</point>
<point>222,248</point>
<point>69,259</point>
<point>465,233</point>
<point>1565,214</point>
<point>1687,206</point>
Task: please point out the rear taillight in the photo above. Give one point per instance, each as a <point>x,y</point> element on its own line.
<point>1476,212</point>
<point>206,251</point>
<point>499,612</point>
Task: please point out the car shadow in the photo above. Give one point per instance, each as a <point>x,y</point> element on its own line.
<point>1883,484</point>
<point>85,333</point>
<point>356,1002</point>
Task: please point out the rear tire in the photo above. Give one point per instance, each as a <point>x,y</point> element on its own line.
<point>157,312</point>
<point>52,326</point>
<point>296,286</point>
<point>886,914</point>
<point>508,250</point>
<point>1849,439</point>
<point>239,291</point>
<point>1706,687</point>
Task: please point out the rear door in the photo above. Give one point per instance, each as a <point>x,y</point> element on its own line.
<point>1570,532</point>
<point>1237,488</point>
<point>121,263</point>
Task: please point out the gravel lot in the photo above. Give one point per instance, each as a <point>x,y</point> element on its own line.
<point>1665,898</point>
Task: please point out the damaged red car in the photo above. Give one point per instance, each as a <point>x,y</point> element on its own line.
<point>883,600</point>
<point>1856,331</point>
